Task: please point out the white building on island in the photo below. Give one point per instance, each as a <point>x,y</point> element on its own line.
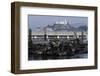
<point>60,30</point>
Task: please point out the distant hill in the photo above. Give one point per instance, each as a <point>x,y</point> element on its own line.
<point>83,28</point>
<point>67,27</point>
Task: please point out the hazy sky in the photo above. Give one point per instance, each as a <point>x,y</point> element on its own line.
<point>36,21</point>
